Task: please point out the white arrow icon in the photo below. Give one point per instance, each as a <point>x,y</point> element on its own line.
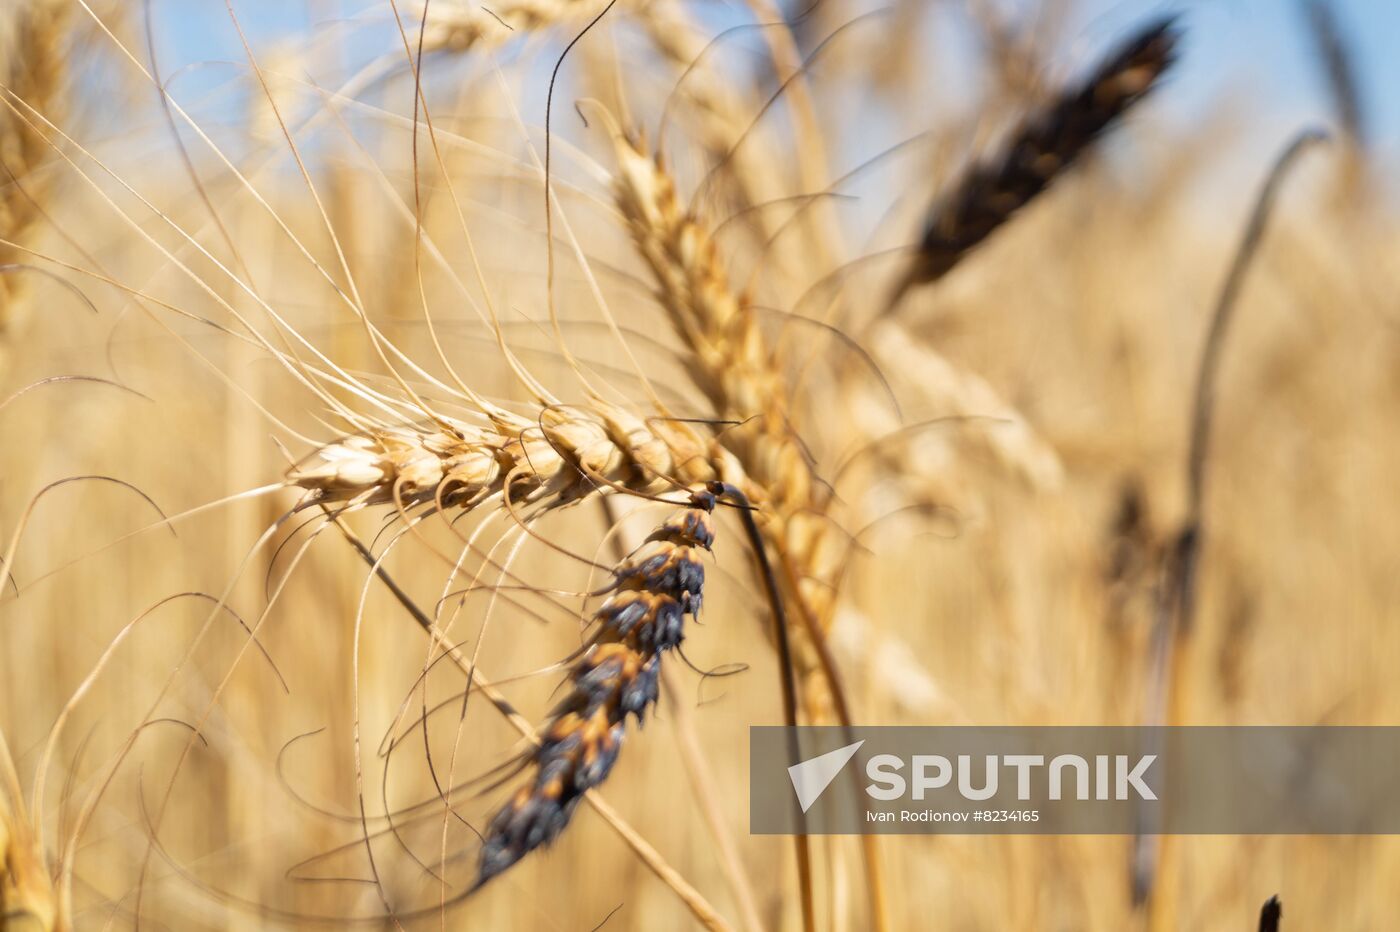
<point>811,777</point>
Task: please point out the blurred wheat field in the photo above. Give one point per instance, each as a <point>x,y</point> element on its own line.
<point>217,715</point>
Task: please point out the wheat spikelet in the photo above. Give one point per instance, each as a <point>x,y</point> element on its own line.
<point>1046,144</point>
<point>617,678</point>
<point>31,67</point>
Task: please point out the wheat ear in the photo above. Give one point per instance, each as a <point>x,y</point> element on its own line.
<point>32,68</point>
<point>742,376</point>
<point>1046,144</point>
<point>617,678</point>
<point>732,363</point>
<point>936,386</point>
<point>561,455</point>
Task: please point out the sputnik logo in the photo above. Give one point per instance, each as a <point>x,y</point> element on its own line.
<point>811,777</point>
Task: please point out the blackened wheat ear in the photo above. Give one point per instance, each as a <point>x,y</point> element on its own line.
<point>1046,144</point>
<point>617,677</point>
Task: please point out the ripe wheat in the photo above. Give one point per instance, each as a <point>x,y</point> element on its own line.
<point>564,455</point>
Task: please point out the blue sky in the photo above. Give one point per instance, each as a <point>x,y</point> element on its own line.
<point>1252,52</point>
<point>1258,51</point>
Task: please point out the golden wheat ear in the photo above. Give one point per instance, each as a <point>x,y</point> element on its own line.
<point>652,592</point>
<point>1046,144</point>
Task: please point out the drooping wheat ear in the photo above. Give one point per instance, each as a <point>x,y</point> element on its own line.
<point>616,678</point>
<point>563,455</point>
<point>462,25</point>
<point>32,68</point>
<point>27,896</point>
<point>1045,145</point>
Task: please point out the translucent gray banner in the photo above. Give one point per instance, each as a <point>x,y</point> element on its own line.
<point>1077,780</point>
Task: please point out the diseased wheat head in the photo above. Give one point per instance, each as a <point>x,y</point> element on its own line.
<point>1048,143</point>
<point>617,677</point>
